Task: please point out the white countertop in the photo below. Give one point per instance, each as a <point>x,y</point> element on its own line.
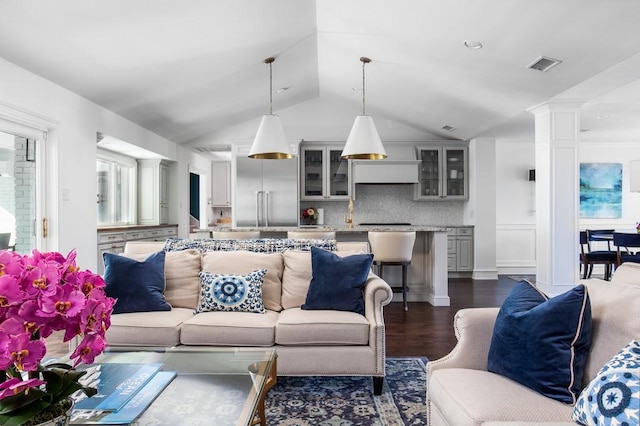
<point>344,229</point>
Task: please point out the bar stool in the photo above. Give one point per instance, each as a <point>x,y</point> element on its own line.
<point>311,235</point>
<point>393,248</point>
<point>235,235</point>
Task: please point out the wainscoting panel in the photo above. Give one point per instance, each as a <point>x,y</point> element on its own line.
<point>516,249</point>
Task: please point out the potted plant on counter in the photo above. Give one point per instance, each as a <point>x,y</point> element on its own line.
<point>309,216</point>
<point>40,294</point>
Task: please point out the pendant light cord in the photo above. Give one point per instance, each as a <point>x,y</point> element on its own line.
<point>270,61</point>
<point>364,62</point>
<point>270,89</point>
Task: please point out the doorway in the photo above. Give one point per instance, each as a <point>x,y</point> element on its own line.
<point>199,201</point>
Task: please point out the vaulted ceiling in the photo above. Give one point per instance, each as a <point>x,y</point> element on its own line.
<point>189,70</point>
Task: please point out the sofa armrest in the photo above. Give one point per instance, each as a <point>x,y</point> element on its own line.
<point>474,329</point>
<point>377,293</point>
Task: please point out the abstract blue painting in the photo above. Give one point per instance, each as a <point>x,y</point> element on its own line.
<point>601,190</point>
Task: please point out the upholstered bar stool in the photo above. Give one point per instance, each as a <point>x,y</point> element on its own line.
<point>235,235</point>
<point>393,248</point>
<point>311,235</point>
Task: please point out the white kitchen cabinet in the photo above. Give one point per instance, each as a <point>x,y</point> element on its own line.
<point>153,192</point>
<point>460,249</point>
<point>324,175</point>
<point>221,184</point>
<point>443,173</point>
<point>110,241</point>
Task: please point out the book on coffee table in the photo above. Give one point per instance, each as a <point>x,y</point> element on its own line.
<point>116,383</point>
<point>131,410</point>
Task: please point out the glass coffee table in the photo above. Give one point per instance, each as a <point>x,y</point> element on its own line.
<point>213,385</point>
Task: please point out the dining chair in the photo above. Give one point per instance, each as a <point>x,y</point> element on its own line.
<point>589,258</point>
<point>627,247</point>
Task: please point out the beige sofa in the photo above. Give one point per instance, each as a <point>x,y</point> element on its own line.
<point>308,342</point>
<point>461,392</point>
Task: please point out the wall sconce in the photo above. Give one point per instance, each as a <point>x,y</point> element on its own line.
<point>31,150</point>
<point>532,175</point>
<point>634,176</point>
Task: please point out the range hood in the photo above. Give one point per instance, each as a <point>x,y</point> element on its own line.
<point>400,166</point>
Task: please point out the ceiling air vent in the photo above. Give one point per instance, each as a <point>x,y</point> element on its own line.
<point>212,148</point>
<point>448,128</point>
<point>544,64</point>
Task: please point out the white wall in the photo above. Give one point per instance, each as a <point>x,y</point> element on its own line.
<point>74,144</point>
<point>515,198</point>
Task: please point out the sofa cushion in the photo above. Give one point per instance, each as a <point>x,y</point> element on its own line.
<point>295,278</point>
<point>231,293</point>
<point>182,283</point>
<point>147,328</point>
<point>319,327</point>
<point>615,316</point>
<point>243,262</point>
<point>230,329</point>
<point>138,286</point>
<point>543,343</point>
<point>613,396</point>
<point>337,282</point>
<point>472,397</point>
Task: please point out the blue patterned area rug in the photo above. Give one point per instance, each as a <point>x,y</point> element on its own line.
<point>349,401</point>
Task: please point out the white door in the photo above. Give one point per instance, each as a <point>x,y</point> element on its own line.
<point>21,188</point>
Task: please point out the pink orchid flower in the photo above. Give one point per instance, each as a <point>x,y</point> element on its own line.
<point>25,353</point>
<point>91,346</point>
<point>66,302</point>
<point>10,291</point>
<point>11,263</point>
<point>15,386</point>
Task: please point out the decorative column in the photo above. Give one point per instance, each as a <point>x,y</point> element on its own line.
<point>557,126</point>
<point>480,210</point>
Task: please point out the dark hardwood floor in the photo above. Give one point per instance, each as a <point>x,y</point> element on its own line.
<point>427,330</point>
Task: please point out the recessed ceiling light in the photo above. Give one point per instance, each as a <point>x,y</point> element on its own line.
<point>283,89</point>
<point>473,44</point>
<point>603,116</point>
<point>448,128</point>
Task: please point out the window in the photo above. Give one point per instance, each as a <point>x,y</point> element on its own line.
<point>116,189</point>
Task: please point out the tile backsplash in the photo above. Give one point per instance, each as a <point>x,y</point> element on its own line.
<point>391,203</point>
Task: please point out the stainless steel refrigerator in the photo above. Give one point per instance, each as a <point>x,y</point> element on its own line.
<point>266,192</point>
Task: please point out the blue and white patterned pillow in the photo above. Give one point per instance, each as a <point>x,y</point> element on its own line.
<point>613,396</point>
<point>261,245</point>
<point>231,293</point>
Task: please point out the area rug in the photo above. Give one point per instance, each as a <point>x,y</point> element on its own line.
<point>349,401</point>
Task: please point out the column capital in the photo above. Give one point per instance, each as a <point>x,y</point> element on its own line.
<point>558,105</point>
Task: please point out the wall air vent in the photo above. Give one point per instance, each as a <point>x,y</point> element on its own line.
<point>448,128</point>
<point>544,64</point>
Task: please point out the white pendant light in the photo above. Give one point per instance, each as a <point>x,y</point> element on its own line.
<point>270,142</point>
<point>364,142</point>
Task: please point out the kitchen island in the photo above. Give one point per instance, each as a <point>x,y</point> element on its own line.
<point>428,277</point>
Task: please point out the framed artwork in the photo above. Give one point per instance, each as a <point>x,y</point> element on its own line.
<point>601,190</point>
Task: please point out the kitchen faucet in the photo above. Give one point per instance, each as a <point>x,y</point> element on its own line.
<point>349,219</point>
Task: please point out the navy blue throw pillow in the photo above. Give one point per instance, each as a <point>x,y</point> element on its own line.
<point>337,282</point>
<point>542,342</point>
<point>138,286</point>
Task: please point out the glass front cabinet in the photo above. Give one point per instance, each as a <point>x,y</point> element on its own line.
<point>443,173</point>
<point>324,174</point>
